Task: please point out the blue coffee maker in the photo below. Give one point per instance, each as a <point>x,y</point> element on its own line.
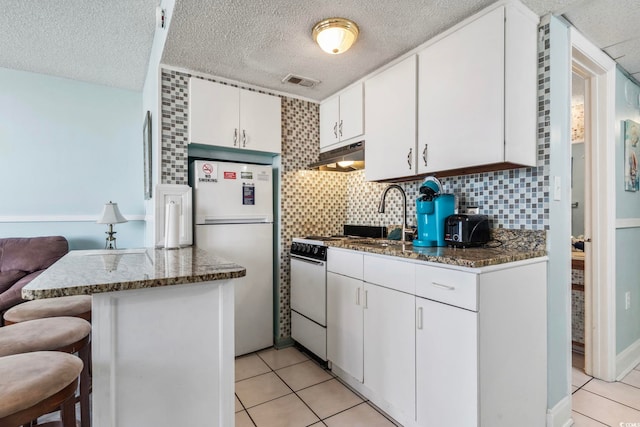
<point>432,207</point>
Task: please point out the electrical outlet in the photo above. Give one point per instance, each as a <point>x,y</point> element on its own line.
<point>627,300</point>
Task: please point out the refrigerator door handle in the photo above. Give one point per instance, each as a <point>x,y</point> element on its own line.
<point>248,220</point>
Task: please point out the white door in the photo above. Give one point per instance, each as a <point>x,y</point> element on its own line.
<point>351,122</point>
<point>446,365</point>
<point>249,245</point>
<point>260,122</point>
<point>345,324</point>
<point>461,97</point>
<point>390,115</point>
<point>389,347</point>
<point>308,288</point>
<point>329,116</point>
<point>226,192</point>
<point>213,113</point>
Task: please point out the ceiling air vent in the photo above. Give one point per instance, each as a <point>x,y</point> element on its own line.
<point>300,81</point>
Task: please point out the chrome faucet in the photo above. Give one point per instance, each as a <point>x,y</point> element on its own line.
<point>404,208</point>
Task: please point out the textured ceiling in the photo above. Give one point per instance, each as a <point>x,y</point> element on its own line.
<point>259,42</point>
<point>106,42</point>
<point>613,26</point>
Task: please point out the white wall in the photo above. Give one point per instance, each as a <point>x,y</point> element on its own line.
<point>66,148</point>
<point>559,236</point>
<point>151,102</point>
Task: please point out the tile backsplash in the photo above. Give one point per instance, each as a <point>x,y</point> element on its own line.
<point>319,203</point>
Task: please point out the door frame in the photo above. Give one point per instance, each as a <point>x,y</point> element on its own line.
<point>600,289</point>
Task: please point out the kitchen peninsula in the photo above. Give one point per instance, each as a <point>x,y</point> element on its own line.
<point>163,332</point>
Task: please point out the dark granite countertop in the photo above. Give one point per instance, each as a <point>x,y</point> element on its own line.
<point>93,271</point>
<point>506,246</point>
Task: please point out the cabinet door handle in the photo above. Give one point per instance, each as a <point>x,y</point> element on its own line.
<point>335,130</point>
<point>419,318</point>
<point>358,296</point>
<point>244,138</point>
<point>446,287</point>
<point>366,299</point>
<point>235,137</point>
<point>340,129</point>
<point>409,158</point>
<point>424,154</point>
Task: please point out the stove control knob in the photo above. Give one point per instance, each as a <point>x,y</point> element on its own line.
<point>315,250</point>
<point>294,247</point>
<point>307,248</point>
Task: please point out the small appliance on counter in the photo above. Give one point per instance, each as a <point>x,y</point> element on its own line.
<point>467,230</point>
<point>432,207</point>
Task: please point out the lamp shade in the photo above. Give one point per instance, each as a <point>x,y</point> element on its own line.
<point>335,35</point>
<point>111,214</point>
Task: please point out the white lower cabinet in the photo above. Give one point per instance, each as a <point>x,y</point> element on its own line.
<point>345,323</point>
<point>447,368</point>
<point>466,348</point>
<point>389,348</point>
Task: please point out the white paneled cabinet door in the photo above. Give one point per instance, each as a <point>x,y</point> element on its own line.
<point>329,117</point>
<point>345,323</point>
<point>390,117</point>
<point>447,368</point>
<point>213,113</point>
<point>389,347</point>
<point>260,122</point>
<point>351,123</point>
<point>461,90</point>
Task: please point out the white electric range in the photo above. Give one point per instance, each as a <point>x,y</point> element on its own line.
<point>309,286</point>
<point>309,293</point>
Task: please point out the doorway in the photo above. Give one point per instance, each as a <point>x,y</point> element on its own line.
<point>594,74</point>
<point>580,145</point>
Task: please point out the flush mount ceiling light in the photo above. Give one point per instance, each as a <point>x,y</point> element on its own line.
<point>335,35</point>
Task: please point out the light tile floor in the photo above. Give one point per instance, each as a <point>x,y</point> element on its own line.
<point>599,403</point>
<point>285,388</point>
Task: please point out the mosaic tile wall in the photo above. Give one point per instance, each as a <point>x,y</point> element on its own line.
<point>577,308</point>
<point>175,122</point>
<point>311,202</point>
<point>319,203</point>
<point>514,199</point>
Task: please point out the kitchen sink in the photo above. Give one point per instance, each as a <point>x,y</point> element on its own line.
<point>381,243</point>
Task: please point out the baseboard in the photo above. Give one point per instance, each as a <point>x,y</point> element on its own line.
<point>560,415</point>
<point>283,342</point>
<point>627,360</point>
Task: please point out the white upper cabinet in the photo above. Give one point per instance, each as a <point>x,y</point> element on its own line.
<point>227,116</point>
<point>341,117</point>
<point>477,94</point>
<point>390,114</point>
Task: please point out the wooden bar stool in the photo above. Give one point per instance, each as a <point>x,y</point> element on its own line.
<point>74,306</point>
<point>37,383</point>
<point>63,334</point>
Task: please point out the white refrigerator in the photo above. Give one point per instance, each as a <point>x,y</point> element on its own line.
<point>233,217</point>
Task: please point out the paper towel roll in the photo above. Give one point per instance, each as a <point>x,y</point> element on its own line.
<point>172,226</point>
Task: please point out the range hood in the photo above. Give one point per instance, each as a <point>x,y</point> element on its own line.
<point>344,159</point>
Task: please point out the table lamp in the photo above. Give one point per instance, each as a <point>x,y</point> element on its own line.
<point>111,215</point>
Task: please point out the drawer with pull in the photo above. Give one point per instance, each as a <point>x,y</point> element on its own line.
<point>346,262</point>
<point>452,287</point>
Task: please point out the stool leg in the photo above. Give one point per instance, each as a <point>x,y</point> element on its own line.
<point>85,386</point>
<point>68,413</point>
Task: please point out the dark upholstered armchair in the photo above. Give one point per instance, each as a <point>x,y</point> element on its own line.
<point>23,259</point>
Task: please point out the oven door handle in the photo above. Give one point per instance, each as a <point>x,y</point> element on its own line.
<point>308,261</point>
